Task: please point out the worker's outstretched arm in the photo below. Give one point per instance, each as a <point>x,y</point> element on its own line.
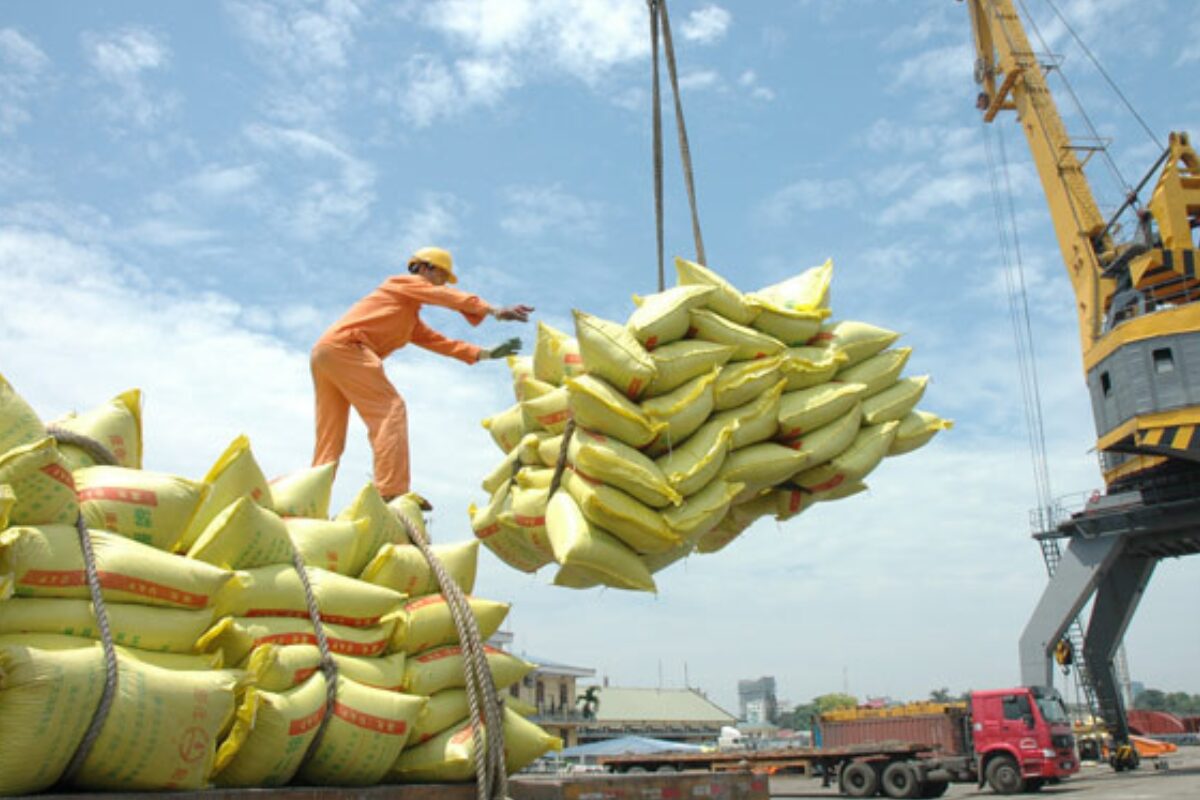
<point>471,306</point>
<point>427,337</point>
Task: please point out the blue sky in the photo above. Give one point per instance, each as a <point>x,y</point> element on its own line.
<point>191,192</point>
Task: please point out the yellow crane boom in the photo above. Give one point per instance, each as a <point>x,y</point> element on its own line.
<point>1136,300</point>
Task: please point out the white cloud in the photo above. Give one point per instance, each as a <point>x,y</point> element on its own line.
<point>436,221</point>
<point>936,68</point>
<point>335,190</point>
<point>299,37</point>
<point>22,68</point>
<point>533,211</point>
<point>706,25</point>
<point>219,182</point>
<point>749,81</point>
<point>699,80</point>
<point>433,90</point>
<point>781,207</point>
<point>124,59</point>
<point>953,190</point>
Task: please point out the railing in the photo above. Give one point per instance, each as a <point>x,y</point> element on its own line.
<point>559,715</point>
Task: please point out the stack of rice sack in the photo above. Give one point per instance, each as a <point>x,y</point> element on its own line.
<point>706,410</point>
<point>171,705</point>
<point>218,568</point>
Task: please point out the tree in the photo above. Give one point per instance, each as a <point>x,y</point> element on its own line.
<point>834,701</point>
<point>590,700</point>
<point>941,695</point>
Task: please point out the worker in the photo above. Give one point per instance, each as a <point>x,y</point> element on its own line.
<point>347,361</point>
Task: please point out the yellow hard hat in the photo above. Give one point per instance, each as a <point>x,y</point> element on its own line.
<point>436,257</point>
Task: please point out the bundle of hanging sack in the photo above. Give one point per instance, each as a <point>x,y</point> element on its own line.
<point>219,675</point>
<point>631,446</point>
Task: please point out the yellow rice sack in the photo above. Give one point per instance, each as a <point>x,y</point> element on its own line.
<point>535,477</point>
<point>526,515</point>
<point>703,510</point>
<point>633,522</point>
<point>506,427</point>
<point>243,536</point>
<point>682,410</point>
<point>504,472</point>
<point>742,381</point>
<point>857,341</point>
<point>894,402</point>
<point>149,507</point>
<point>805,367</point>
<point>364,737</point>
<point>808,409</point>
<point>47,561</point>
<point>304,493</point>
<point>521,368</point>
<point>877,372</point>
<point>445,708</point>
<point>555,355</point>
<point>236,637</point>
<point>611,352</point>
<point>19,423</point>
<point>426,623</point>
<point>276,591</point>
<point>689,467</point>
<point>47,699</point>
<point>548,412</point>
<point>830,440</point>
<point>808,291</point>
<point>761,465</point>
<point>748,344</point>
<point>403,568</point>
<point>271,734</point>
<point>577,542</point>
<point>916,429</point>
<point>184,662</point>
<point>8,499</point>
<point>607,460</point>
<point>117,425</point>
<point>234,475</point>
<point>507,541</point>
<point>597,406</point>
<point>735,522</point>
<point>339,546</point>
<point>576,576</point>
<point>662,318</point>
<point>855,463</point>
<point>277,668</point>
<point>167,630</point>
<point>41,483</point>
<point>790,502</point>
<point>679,362</point>
<point>385,527</point>
<point>411,508</point>
<point>160,732</point>
<point>726,300</point>
<point>754,422</point>
<point>450,756</point>
<point>443,668</point>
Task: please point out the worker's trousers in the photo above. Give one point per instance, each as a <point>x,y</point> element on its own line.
<point>345,375</point>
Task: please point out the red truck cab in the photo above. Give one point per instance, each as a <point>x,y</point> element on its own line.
<point>1022,738</point>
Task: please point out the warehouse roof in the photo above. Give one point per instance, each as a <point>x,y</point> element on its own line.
<point>658,705</point>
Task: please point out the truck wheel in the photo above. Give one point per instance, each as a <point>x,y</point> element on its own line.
<point>1034,784</point>
<point>1003,776</point>
<point>900,780</point>
<point>934,788</point>
<point>859,779</point>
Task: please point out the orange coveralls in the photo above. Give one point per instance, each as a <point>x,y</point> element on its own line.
<point>347,369</point>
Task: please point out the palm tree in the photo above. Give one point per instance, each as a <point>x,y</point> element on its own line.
<point>590,700</point>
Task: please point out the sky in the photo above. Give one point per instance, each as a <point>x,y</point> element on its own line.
<point>191,192</point>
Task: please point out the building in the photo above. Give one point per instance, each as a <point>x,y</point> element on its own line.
<point>757,705</point>
<point>550,691</point>
<point>677,715</point>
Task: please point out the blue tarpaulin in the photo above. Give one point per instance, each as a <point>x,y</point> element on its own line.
<point>635,745</point>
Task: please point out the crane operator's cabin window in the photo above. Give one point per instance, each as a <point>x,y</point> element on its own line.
<point>1164,362</point>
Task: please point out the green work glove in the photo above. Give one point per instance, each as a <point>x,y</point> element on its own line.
<point>509,348</point>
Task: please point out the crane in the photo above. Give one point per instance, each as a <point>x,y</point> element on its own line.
<point>1137,299</point>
